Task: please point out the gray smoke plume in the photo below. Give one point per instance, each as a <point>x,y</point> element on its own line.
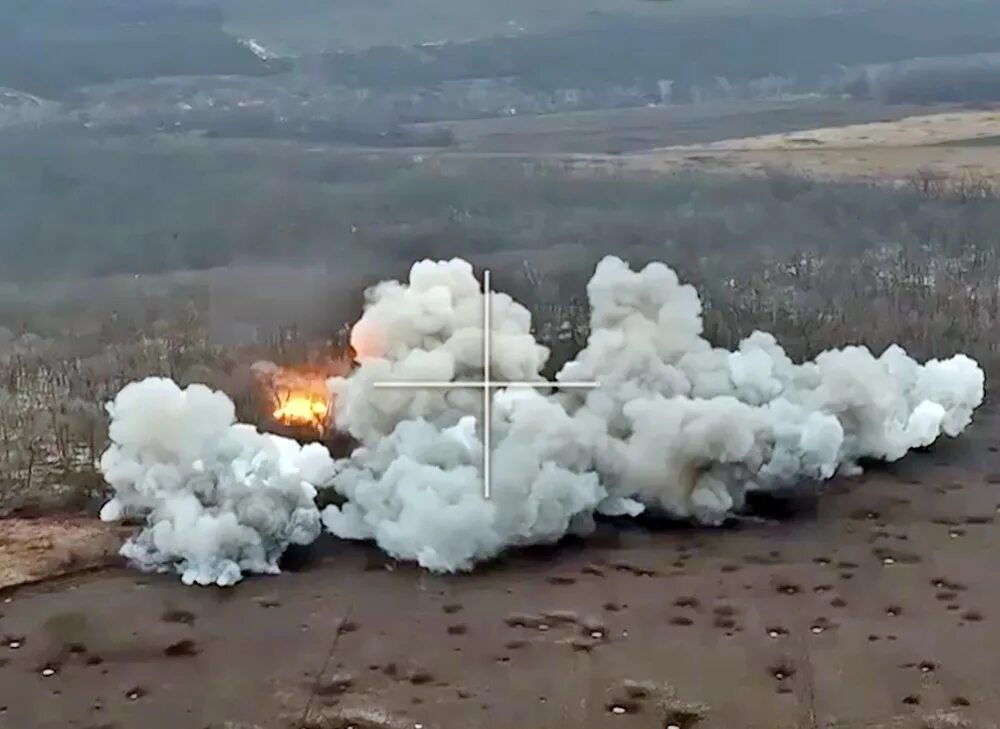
<point>677,425</point>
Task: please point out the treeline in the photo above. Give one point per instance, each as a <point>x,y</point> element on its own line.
<point>691,52</point>
<point>818,264</point>
<point>74,208</point>
<point>50,47</point>
<point>958,79</point>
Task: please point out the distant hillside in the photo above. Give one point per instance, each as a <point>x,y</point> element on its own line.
<point>969,78</point>
<point>691,52</point>
<point>404,54</point>
<point>48,47</point>
<point>310,26</point>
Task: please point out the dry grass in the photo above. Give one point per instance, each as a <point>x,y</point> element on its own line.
<point>955,144</point>
<point>74,345</point>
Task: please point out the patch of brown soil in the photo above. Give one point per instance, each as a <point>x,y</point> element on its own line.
<point>37,549</point>
<point>956,145</point>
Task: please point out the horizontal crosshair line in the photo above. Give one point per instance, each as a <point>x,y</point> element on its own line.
<point>487,385</point>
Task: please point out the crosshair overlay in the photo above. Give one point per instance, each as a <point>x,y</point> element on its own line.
<point>486,384</point>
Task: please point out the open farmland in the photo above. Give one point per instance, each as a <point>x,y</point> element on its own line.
<point>620,131</point>
<point>956,145</point>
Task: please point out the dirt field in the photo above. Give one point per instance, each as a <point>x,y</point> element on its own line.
<point>877,610</point>
<point>823,138</point>
<point>952,144</point>
<point>615,131</point>
<point>32,550</point>
<point>872,610</point>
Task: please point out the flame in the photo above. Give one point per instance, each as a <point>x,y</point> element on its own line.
<point>297,395</point>
<point>302,408</point>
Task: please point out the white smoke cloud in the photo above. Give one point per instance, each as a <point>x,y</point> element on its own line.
<point>418,492</point>
<point>691,428</point>
<point>676,425</point>
<point>218,498</point>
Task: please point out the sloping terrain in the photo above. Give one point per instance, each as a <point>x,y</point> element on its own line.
<point>302,26</point>
<point>50,47</point>
<point>32,550</point>
<point>701,127</point>
<point>955,144</point>
<point>875,610</point>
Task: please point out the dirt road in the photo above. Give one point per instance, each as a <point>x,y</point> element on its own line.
<point>879,610</point>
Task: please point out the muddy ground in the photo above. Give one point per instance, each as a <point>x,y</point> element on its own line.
<point>877,608</point>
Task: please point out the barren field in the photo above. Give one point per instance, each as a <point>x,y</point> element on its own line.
<point>615,131</point>
<point>869,608</point>
<point>874,609</point>
<point>822,138</point>
<point>953,144</point>
<point>33,550</point>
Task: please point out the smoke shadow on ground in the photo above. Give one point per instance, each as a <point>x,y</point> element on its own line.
<point>610,533</point>
<point>298,557</point>
<point>796,503</point>
<point>972,450</point>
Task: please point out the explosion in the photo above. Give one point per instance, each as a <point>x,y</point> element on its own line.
<point>297,397</point>
<point>677,426</point>
<point>302,408</point>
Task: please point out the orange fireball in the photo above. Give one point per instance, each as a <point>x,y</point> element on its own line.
<point>296,397</point>
<point>302,408</point>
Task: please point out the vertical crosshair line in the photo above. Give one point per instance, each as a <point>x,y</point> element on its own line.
<point>487,383</point>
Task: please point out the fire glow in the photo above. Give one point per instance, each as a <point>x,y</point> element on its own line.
<point>302,408</point>
<point>297,397</point>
